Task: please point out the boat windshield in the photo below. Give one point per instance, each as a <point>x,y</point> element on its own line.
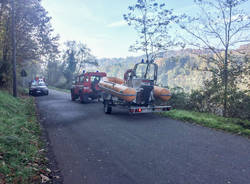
<point>141,71</point>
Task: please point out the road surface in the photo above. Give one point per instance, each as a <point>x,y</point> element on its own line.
<point>94,148</point>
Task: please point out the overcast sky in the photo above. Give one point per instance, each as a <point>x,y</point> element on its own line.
<point>99,23</point>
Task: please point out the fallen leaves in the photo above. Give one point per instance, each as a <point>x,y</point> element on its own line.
<point>36,179</point>
<point>44,178</point>
<point>2,179</point>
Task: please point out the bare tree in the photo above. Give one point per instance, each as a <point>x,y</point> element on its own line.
<point>76,56</point>
<point>84,57</point>
<point>221,26</point>
<point>151,21</point>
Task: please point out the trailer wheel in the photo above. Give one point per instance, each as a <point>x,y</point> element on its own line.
<point>107,108</point>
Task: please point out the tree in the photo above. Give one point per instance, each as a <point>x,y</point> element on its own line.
<point>13,40</point>
<point>151,21</point>
<point>76,56</point>
<point>54,72</point>
<point>35,40</point>
<point>219,28</point>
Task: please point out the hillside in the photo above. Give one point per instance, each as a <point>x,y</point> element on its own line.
<point>176,68</point>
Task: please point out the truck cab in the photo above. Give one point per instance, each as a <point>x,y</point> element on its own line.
<point>85,86</point>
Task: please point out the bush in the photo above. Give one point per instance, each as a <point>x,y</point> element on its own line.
<point>210,100</point>
<point>179,99</point>
<point>239,104</point>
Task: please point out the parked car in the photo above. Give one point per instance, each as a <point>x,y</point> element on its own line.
<point>38,88</point>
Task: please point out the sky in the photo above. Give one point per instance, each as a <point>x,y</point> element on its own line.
<point>98,23</point>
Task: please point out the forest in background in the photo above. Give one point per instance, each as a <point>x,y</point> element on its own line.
<point>177,68</point>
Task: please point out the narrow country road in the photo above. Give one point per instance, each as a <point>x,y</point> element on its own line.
<point>94,148</point>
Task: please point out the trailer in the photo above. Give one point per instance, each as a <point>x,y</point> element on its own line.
<point>133,108</point>
<point>137,92</point>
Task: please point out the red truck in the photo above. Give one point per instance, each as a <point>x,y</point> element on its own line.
<point>85,86</point>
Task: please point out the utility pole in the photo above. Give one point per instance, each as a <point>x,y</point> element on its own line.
<point>13,39</point>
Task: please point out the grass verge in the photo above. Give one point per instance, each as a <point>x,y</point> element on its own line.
<point>21,154</point>
<point>233,125</point>
<point>59,89</point>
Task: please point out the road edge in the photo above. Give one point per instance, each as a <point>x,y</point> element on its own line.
<point>55,176</point>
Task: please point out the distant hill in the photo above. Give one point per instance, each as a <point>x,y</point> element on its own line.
<point>177,68</point>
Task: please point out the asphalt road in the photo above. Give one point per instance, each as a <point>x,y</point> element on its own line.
<point>94,148</point>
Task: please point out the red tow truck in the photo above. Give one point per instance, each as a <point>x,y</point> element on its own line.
<point>85,86</point>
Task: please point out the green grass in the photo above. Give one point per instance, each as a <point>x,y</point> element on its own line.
<point>233,125</point>
<point>20,158</point>
<point>23,91</point>
<point>59,89</point>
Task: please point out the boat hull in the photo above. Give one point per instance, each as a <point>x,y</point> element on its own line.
<point>162,93</point>
<point>115,86</point>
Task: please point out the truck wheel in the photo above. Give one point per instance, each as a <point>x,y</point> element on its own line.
<point>73,97</point>
<point>84,98</point>
<point>107,108</point>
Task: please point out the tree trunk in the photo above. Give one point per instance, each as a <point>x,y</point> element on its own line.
<point>225,83</point>
<point>13,35</point>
